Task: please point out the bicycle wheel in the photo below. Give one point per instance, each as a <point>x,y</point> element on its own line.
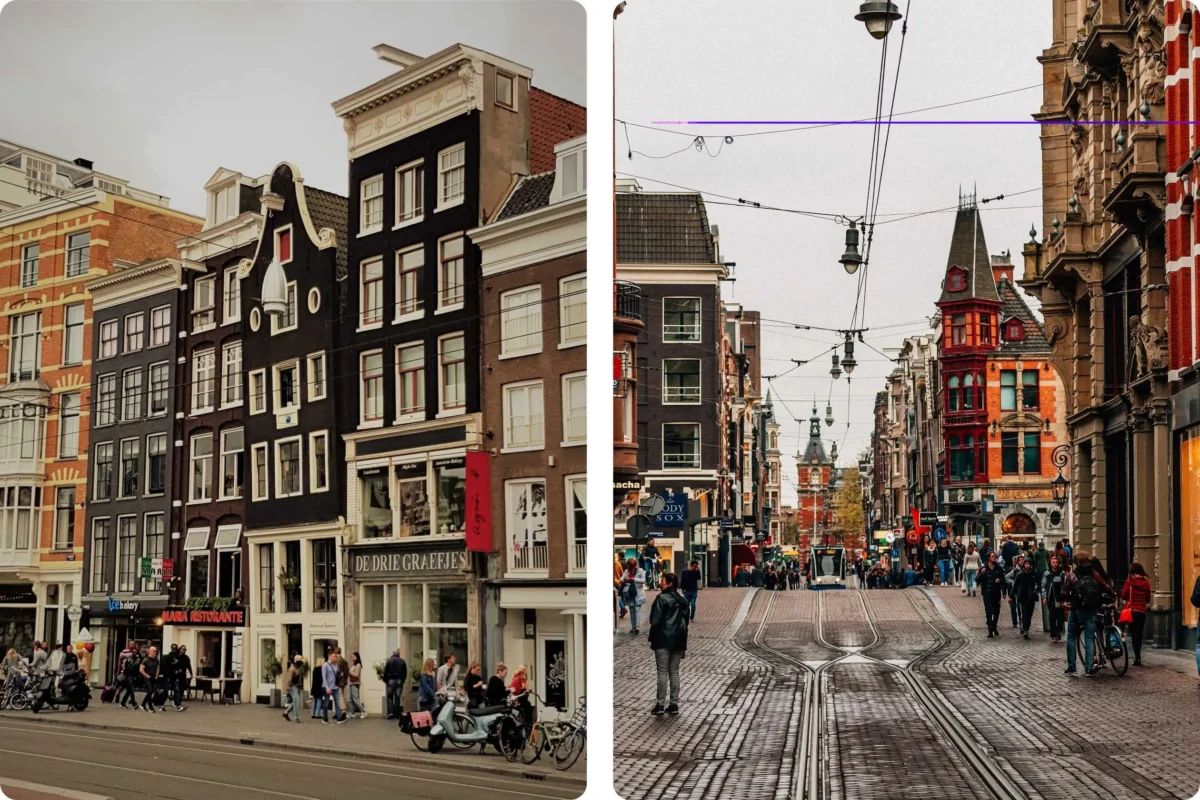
<point>1117,650</point>
<point>420,741</point>
<point>463,724</point>
<point>19,701</point>
<point>531,749</point>
<point>512,739</point>
<point>569,749</point>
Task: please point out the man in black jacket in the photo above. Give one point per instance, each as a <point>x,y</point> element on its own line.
<point>395,673</point>
<point>669,618</point>
<point>1024,594</point>
<point>168,671</point>
<point>690,583</point>
<point>183,676</point>
<point>992,587</point>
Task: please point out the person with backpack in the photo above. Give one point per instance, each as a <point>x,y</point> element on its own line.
<point>1024,594</point>
<point>993,586</point>
<point>129,669</point>
<point>1083,595</point>
<point>1052,589</point>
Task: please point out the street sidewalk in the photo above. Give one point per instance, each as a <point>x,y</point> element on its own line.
<point>20,790</point>
<point>374,738</point>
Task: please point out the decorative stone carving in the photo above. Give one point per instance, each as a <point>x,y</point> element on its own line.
<point>467,73</point>
<point>243,269</point>
<point>1149,345</point>
<point>349,126</point>
<point>326,237</point>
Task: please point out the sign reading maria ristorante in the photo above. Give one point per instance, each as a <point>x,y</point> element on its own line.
<point>402,562</point>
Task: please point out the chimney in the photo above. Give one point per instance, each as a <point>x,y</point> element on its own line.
<point>1002,267</point>
<point>83,162</point>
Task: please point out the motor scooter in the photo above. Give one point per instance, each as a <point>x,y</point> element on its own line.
<point>485,731</point>
<point>73,692</point>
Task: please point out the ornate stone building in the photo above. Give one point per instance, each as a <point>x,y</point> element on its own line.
<point>1099,270</point>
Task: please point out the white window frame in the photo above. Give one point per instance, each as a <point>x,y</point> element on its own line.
<point>512,82</point>
<point>126,333</point>
<point>312,461</point>
<point>299,442</point>
<point>78,330</point>
<point>77,266</point>
<point>137,459</point>
<point>30,264</point>
<point>367,320</point>
<point>153,584</point>
<point>226,350</point>
<point>699,445</point>
<point>565,296</point>
<point>525,387</point>
<point>316,391</point>
<point>277,235</point>
<point>97,564</point>
<point>297,385</point>
<point>258,396</point>
<point>418,311</point>
<point>166,464</point>
<point>699,388</point>
<point>573,169</point>
<point>418,192</point>
<point>292,303</point>
<point>528,299</point>
<point>567,381</point>
<point>21,340</point>
<point>224,531</point>
<point>443,202</point>
<point>573,543</point>
<point>699,329</point>
<point>68,442</point>
<point>442,306</point>
<point>510,524</point>
<point>221,466</point>
<point>255,449</point>
<point>139,390</point>
<point>365,185</point>
<point>198,382</point>
<point>228,315</point>
<point>208,310</point>
<point>363,421</point>
<point>115,327</point>
<point>453,411</point>
<point>154,328</point>
<point>135,579</point>
<point>416,414</point>
<point>192,487</point>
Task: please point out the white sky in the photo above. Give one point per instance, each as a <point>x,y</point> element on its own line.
<point>163,93</point>
<point>784,60</point>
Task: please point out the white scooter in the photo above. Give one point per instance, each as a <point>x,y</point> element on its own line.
<point>486,728</point>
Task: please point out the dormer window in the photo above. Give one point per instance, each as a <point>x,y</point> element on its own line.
<point>570,178</point>
<point>506,91</point>
<point>1014,331</point>
<point>224,204</point>
<point>956,280</point>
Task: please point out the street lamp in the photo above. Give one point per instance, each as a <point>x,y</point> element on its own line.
<point>1060,485</point>
<point>848,362</point>
<point>851,259</point>
<point>835,372</point>
<point>878,15</point>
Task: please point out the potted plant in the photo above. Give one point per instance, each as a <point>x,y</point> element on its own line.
<point>288,580</point>
<point>272,668</point>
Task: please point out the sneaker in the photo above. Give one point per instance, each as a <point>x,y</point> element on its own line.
<point>673,709</point>
<point>287,717</point>
<point>324,721</point>
<point>362,715</point>
<point>1025,634</point>
<point>658,710</point>
<point>181,708</point>
<point>340,721</point>
<point>1093,672</point>
<point>1069,671</point>
<point>1137,662</point>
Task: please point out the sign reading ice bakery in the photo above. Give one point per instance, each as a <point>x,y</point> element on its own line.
<point>404,563</point>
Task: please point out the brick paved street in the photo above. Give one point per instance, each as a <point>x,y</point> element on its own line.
<point>1049,735</point>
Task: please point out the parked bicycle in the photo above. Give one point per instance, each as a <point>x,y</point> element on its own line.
<point>1111,647</point>
<point>574,744</point>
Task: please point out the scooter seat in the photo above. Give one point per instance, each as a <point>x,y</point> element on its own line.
<point>486,711</point>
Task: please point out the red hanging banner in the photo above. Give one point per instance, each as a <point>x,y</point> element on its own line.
<point>479,502</point>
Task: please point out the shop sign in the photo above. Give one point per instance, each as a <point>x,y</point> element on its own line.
<point>115,606</point>
<point>674,510</point>
<point>1024,494</point>
<point>158,568</point>
<point>235,617</point>
<point>399,562</point>
<point>74,613</point>
<point>479,502</point>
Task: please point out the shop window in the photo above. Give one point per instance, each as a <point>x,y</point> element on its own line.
<point>376,504</point>
<point>412,491</point>
<point>451,478</point>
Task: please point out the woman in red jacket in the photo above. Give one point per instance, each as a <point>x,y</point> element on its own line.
<point>1136,596</point>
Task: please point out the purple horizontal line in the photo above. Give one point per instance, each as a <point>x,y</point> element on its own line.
<point>926,122</point>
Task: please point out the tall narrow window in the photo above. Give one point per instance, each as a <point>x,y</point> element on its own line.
<point>1008,452</point>
<point>287,386</point>
<point>29,265</point>
<point>259,469</point>
<point>201,471</point>
<point>985,328</point>
<point>103,472</point>
<point>372,204</point>
<point>1033,452</point>
<point>410,192</point>
<point>968,392</point>
<point>572,309</point>
<point>130,467</point>
<point>524,416</point>
<point>452,176</point>
<point>153,537</point>
<point>258,391</point>
<point>64,523</point>
<point>410,365</point>
<point>127,562</point>
<point>108,338</point>
<point>68,425</point>
<point>231,463</point>
<point>159,375</point>
<point>232,311</point>
<point>372,292</point>
<point>266,578</point>
<point>106,399</point>
<point>958,329</point>
<point>283,244</point>
<point>450,276</point>
<point>318,470</point>
<point>952,397</point>
<point>73,334</point>
<point>1008,390</point>
<point>101,531</point>
<point>135,325</point>
<point>77,253</point>
<point>160,326</point>
<point>324,558</point>
<point>505,94</point>
<point>371,377</point>
<point>131,395</point>
<point>521,321</point>
<point>316,376</point>
<point>231,374</point>
<point>156,463</point>
<point>287,468</point>
<point>204,310</point>
<point>410,286</point>
<point>574,406</point>
<point>1029,389</point>
<point>204,380</point>
<point>287,320</point>
<point>453,366</point>
<point>25,347</point>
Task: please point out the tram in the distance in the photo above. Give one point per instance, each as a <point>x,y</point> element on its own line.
<point>828,567</point>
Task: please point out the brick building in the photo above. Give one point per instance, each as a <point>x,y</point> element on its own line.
<point>67,225</point>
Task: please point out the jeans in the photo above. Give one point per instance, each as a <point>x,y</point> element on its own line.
<point>354,704</point>
<point>633,616</point>
<point>666,663</point>
<point>970,577</point>
<point>1026,613</point>
<point>125,692</point>
<point>395,690</point>
<point>1087,621</point>
<point>991,608</point>
<point>958,571</point>
<point>293,703</point>
<point>1013,608</point>
<point>691,598</point>
<point>1055,612</point>
<point>945,571</point>
<point>177,684</point>
<point>335,700</point>
<point>318,706</point>
<point>148,700</point>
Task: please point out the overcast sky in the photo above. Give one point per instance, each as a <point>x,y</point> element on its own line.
<point>164,93</point>
<point>813,60</point>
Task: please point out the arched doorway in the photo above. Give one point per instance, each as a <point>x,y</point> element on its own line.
<point>1018,525</point>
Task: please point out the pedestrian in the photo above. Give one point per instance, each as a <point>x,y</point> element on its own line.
<point>618,571</point>
<point>945,562</point>
<point>1041,558</point>
<point>447,677</point>
<point>970,569</point>
<point>650,559</point>
<point>183,676</point>
<point>354,705</point>
<point>167,668</point>
<point>317,690</point>
<point>757,579</point>
<point>519,688</point>
<point>910,577</point>
<point>395,673</point>
<point>497,692</point>
<point>770,579</point>
<point>70,661</point>
<point>1008,552</point>
<point>633,588</point>
<point>985,549</point>
<point>12,668</point>
<point>427,687</point>
<point>1082,597</point>
<point>56,658</point>
<point>929,559</point>
<point>149,671</point>
<point>669,621</point>
<point>292,681</point>
<point>329,679</point>
<point>993,585</point>
<point>1136,596</point>
<point>1024,594</point>
<point>129,670</point>
<point>1069,550</point>
<point>960,554</point>
<point>343,680</point>
<point>473,685</point>
<point>1011,573</point>
<point>690,583</point>
<point>1052,589</point>
<point>37,661</point>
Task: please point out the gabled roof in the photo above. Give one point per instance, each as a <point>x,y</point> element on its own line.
<point>530,194</point>
<point>663,228</point>
<point>968,250</point>
<point>329,210</point>
<point>1014,306</point>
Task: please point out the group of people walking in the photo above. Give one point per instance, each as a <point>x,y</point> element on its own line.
<point>334,680</point>
<point>160,679</point>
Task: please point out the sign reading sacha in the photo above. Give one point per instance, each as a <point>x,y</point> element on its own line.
<point>178,615</point>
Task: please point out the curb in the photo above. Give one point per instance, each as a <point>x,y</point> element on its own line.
<point>69,794</point>
<point>556,777</point>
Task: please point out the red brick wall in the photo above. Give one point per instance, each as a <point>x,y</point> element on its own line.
<point>552,120</point>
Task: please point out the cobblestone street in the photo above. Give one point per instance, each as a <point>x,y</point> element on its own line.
<point>914,699</point>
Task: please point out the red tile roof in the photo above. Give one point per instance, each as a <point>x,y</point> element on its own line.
<point>552,120</point>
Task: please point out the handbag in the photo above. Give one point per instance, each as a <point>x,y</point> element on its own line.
<point>1126,616</point>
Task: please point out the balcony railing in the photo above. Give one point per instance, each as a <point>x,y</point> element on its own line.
<point>628,300</point>
<point>579,557</point>
<point>685,332</point>
<point>528,557</point>
<point>681,394</point>
<point>681,460</point>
